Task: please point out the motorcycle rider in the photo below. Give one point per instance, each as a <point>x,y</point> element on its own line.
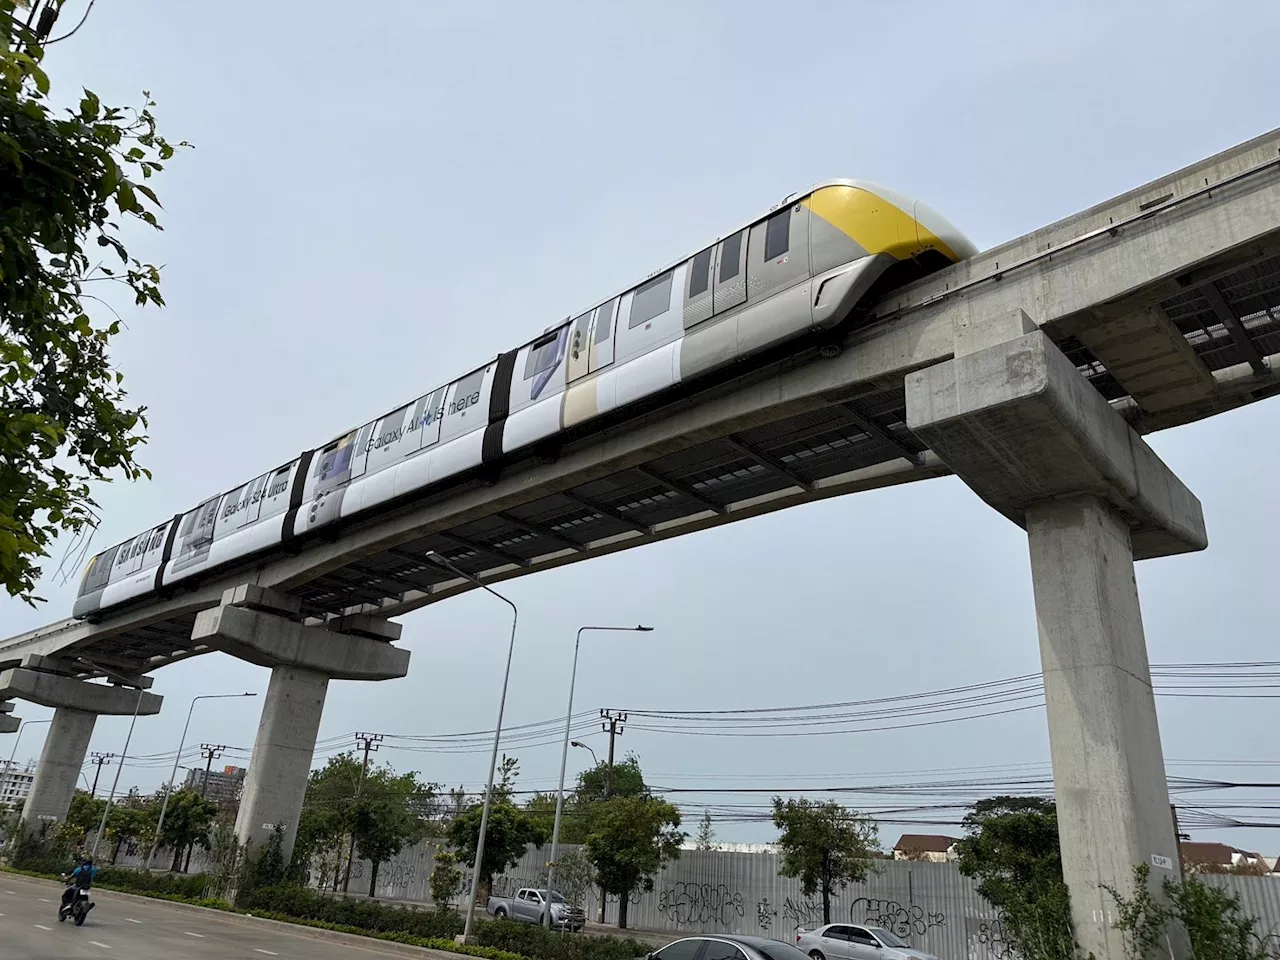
<point>81,879</point>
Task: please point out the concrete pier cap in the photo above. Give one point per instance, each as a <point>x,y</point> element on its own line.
<point>53,690</point>
<point>1012,416</point>
<point>8,724</point>
<point>256,625</point>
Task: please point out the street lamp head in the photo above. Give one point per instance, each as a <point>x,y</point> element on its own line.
<point>643,629</point>
<point>577,743</point>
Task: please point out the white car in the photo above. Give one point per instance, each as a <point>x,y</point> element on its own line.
<point>844,941</point>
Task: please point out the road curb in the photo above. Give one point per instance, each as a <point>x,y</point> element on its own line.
<point>246,919</point>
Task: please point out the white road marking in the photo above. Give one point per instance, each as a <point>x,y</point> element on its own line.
<point>102,945</point>
<point>190,934</point>
<point>131,920</point>
<point>11,893</point>
<point>41,926</point>
<point>267,952</point>
<point>43,900</point>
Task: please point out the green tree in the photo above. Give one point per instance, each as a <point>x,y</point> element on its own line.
<point>187,823</point>
<point>1213,919</point>
<point>1011,849</point>
<point>706,838</point>
<point>130,821</point>
<point>446,879</point>
<point>84,814</point>
<point>826,846</point>
<point>630,839</point>
<point>509,832</point>
<point>387,815</point>
<point>69,180</point>
<point>326,815</point>
<point>574,875</point>
<point>598,783</point>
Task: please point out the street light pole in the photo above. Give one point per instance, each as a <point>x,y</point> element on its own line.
<point>18,738</point>
<point>586,747</point>
<point>116,782</point>
<point>164,807</point>
<point>497,736</point>
<point>564,759</point>
<point>14,753</point>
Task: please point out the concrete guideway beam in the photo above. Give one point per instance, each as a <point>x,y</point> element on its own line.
<point>255,624</point>
<point>1020,426</point>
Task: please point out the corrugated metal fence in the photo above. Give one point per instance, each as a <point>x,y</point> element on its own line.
<point>928,904</point>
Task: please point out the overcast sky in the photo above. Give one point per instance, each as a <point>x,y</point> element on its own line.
<point>383,197</point>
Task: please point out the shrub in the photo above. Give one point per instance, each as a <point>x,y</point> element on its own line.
<point>307,904</point>
<point>542,944</point>
<point>188,887</point>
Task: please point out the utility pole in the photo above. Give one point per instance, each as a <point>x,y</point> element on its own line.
<point>98,759</point>
<point>210,752</point>
<point>612,723</point>
<point>367,742</point>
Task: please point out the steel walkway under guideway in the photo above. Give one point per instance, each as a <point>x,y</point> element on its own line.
<point>1030,371</point>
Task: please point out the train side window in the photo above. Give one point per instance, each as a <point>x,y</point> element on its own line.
<point>652,299</point>
<point>730,255</point>
<point>700,273</point>
<point>542,356</point>
<point>604,321</point>
<point>777,234</point>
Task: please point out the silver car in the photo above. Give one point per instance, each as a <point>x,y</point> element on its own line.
<point>844,941</point>
<point>727,947</point>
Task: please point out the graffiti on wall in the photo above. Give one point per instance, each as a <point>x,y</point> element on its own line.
<point>986,940</point>
<point>906,922</point>
<point>801,912</point>
<point>701,903</point>
<point>764,914</point>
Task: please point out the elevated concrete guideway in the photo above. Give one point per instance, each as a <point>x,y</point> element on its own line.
<point>1031,372</point>
<point>1166,300</point>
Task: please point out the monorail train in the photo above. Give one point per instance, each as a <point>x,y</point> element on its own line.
<point>801,268</point>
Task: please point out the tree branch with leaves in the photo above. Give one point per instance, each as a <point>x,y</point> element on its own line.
<point>68,180</point>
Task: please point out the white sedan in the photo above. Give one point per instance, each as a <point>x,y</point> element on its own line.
<point>843,941</point>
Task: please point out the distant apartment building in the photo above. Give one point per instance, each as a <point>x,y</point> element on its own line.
<point>15,784</point>
<point>221,786</point>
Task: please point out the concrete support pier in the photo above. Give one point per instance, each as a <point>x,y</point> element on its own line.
<point>8,724</point>
<point>77,705</point>
<point>262,627</point>
<point>1015,420</point>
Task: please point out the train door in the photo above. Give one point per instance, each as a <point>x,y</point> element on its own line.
<point>778,251</point>
<point>730,271</point>
<point>656,314</point>
<point>603,330</point>
<point>697,287</point>
<point>580,347</point>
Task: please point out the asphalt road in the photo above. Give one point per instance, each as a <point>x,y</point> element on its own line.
<point>153,930</point>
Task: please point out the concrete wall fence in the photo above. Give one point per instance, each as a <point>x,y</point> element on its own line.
<point>930,905</point>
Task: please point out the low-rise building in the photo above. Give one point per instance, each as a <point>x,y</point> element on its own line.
<point>15,784</point>
<point>931,847</point>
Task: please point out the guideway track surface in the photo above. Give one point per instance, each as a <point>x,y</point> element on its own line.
<point>138,928</point>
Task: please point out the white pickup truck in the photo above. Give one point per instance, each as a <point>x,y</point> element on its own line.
<point>528,906</point>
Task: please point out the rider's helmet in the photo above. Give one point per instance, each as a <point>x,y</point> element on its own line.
<point>87,861</point>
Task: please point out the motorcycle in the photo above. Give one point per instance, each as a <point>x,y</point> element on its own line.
<point>79,907</point>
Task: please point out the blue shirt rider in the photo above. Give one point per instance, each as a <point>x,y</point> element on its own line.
<point>83,875</point>
<point>81,878</point>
